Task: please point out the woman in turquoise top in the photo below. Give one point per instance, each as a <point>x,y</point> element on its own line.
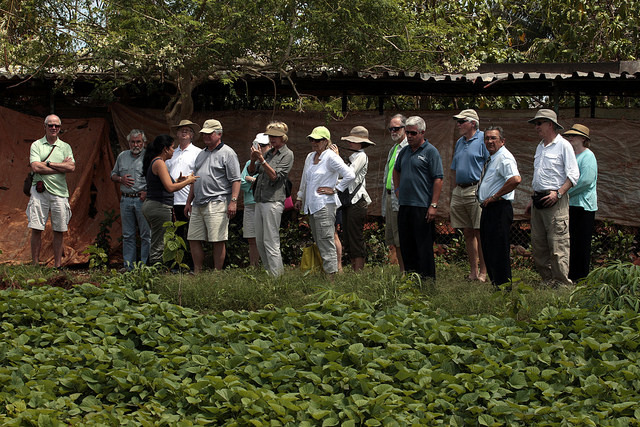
<point>583,203</point>
<point>249,213</point>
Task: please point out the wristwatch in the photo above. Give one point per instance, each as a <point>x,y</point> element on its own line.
<point>434,205</point>
<point>234,199</point>
<point>559,194</point>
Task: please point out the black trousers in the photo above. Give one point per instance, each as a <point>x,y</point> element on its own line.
<point>495,225</point>
<point>416,241</point>
<point>581,224</point>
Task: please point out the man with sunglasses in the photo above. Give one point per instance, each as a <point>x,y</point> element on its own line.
<point>555,171</point>
<point>417,179</point>
<point>469,158</point>
<point>51,159</point>
<point>389,200</point>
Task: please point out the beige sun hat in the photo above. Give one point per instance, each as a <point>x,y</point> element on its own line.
<point>210,126</point>
<point>359,134</point>
<point>580,130</point>
<point>469,114</point>
<point>546,114</point>
<point>186,123</point>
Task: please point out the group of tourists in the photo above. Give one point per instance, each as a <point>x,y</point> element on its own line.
<point>171,179</point>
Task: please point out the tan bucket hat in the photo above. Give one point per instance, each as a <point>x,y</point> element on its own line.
<point>359,134</point>
<point>580,130</point>
<point>546,114</point>
<point>186,123</point>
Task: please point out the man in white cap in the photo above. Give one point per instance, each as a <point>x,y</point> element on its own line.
<point>555,171</point>
<point>213,198</point>
<point>468,161</point>
<point>183,163</point>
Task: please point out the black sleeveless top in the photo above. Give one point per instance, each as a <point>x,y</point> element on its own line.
<point>155,189</point>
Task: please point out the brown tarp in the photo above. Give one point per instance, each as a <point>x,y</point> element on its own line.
<point>91,192</point>
<point>614,142</point>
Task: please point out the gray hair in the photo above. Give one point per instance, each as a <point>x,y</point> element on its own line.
<point>135,132</point>
<point>46,119</point>
<point>498,128</point>
<point>418,122</point>
<point>402,118</point>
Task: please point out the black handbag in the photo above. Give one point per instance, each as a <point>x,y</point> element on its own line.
<point>28,181</point>
<point>345,196</point>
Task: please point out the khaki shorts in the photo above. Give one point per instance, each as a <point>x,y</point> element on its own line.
<point>465,208</point>
<point>209,223</point>
<point>40,204</point>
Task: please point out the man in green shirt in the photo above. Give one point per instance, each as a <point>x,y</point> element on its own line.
<point>51,159</point>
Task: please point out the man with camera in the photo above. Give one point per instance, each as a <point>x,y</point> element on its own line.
<point>51,159</point>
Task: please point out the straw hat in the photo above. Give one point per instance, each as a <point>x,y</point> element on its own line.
<point>580,130</point>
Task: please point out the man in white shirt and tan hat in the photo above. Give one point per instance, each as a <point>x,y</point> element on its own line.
<point>183,163</point>
<point>354,210</point>
<point>555,171</point>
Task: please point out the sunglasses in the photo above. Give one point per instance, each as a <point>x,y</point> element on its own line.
<point>411,132</point>
<point>538,123</point>
<point>52,126</point>
<point>462,121</point>
<point>395,128</point>
<point>316,140</point>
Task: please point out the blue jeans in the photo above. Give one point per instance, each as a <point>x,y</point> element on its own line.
<point>131,214</point>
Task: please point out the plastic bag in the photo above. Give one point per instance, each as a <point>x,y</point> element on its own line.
<point>311,259</point>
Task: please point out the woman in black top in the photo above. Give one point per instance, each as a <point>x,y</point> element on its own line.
<point>160,188</point>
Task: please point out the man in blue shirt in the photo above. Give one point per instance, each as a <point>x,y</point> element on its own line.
<point>417,179</point>
<point>468,161</point>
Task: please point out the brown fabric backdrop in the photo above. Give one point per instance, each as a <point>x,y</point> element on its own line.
<point>613,142</point>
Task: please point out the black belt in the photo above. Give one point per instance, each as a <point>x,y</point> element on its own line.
<point>467,185</point>
<point>388,191</point>
<point>130,194</point>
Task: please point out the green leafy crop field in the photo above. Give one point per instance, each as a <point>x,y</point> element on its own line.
<point>113,355</point>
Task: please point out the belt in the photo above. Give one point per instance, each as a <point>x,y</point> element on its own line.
<point>467,185</point>
<point>130,194</point>
<point>388,191</point>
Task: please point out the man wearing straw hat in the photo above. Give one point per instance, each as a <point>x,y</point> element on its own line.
<point>183,163</point>
<point>555,171</point>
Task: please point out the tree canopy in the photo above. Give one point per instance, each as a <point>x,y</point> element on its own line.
<point>187,42</point>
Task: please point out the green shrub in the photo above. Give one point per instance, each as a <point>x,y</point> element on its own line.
<point>613,287</point>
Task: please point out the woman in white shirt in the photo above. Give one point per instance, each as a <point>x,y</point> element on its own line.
<point>354,211</point>
<point>318,193</point>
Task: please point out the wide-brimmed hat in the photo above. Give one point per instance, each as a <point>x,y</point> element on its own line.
<point>546,114</point>
<point>359,134</point>
<point>211,126</point>
<point>274,131</point>
<point>261,139</point>
<point>186,123</point>
<point>467,115</point>
<point>580,130</point>
<point>320,132</point>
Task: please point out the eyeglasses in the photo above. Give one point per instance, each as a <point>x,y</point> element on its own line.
<point>462,121</point>
<point>52,126</point>
<point>411,132</point>
<point>395,128</point>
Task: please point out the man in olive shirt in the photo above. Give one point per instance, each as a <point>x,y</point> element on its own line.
<point>51,159</point>
<point>269,194</point>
